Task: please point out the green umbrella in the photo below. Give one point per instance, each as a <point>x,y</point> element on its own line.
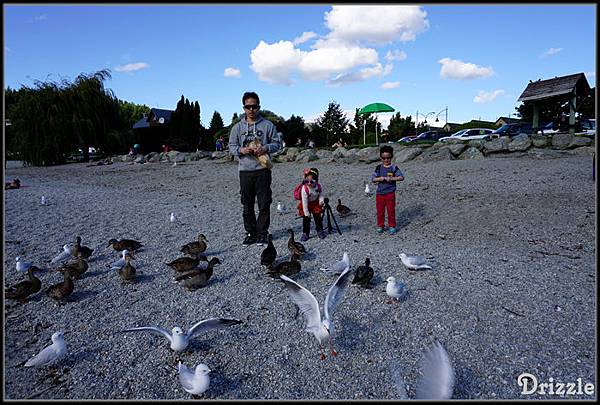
<point>374,108</point>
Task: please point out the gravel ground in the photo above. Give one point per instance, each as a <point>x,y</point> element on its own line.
<point>512,242</point>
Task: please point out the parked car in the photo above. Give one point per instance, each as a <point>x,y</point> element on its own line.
<point>511,130</point>
<point>430,136</point>
<point>588,127</point>
<point>468,134</point>
<point>549,128</point>
<point>407,139</point>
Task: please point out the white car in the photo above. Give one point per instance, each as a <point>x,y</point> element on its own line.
<point>469,134</point>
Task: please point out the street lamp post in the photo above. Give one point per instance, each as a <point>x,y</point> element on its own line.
<point>438,114</point>
<point>424,121</point>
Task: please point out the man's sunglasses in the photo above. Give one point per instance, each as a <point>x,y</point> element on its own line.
<point>251,107</point>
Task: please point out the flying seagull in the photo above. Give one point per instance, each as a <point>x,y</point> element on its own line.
<point>307,304</point>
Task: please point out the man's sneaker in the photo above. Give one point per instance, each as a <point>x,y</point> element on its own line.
<point>379,229</point>
<point>393,231</point>
<point>304,237</point>
<point>262,240</point>
<point>322,234</point>
<point>249,240</point>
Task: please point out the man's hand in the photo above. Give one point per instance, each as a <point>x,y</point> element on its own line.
<point>246,150</point>
<point>261,150</point>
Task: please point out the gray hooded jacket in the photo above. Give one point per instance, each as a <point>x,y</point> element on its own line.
<point>244,132</point>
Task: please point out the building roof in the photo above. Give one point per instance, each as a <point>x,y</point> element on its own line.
<point>154,115</point>
<point>558,86</point>
<point>508,120</point>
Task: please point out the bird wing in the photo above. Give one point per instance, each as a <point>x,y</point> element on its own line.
<point>306,302</point>
<point>210,324</point>
<point>153,329</point>
<point>438,376</point>
<point>46,356</point>
<point>416,260</point>
<point>336,292</point>
<point>396,372</point>
<point>185,377</point>
<point>64,255</point>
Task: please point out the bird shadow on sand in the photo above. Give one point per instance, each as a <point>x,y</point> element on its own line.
<point>145,278</point>
<point>408,215</point>
<point>221,385</point>
<point>349,338</point>
<point>81,295</point>
<point>466,382</point>
<point>219,278</point>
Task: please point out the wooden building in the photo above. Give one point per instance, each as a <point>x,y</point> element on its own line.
<point>152,130</point>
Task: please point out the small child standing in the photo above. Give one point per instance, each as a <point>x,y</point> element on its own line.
<point>385,176</point>
<point>312,200</point>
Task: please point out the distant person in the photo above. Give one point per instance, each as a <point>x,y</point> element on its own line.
<point>311,201</point>
<point>311,144</point>
<point>386,175</point>
<point>251,137</point>
<point>166,148</point>
<point>219,144</point>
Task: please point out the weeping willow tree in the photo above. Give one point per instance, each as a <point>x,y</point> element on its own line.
<point>50,120</point>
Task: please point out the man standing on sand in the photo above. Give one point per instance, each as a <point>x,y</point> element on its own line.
<point>255,178</point>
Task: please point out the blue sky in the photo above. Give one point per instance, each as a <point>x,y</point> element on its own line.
<point>474,59</point>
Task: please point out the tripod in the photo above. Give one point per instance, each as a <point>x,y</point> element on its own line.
<point>330,215</point>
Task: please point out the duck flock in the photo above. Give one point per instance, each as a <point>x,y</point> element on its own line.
<point>193,270</point>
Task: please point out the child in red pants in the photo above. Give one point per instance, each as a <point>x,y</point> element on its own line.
<point>385,176</point>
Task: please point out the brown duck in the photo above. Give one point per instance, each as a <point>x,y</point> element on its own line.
<point>342,209</point>
<point>287,268</point>
<point>185,263</point>
<point>84,251</point>
<point>127,272</point>
<point>268,256</point>
<point>120,245</point>
<point>196,247</point>
<point>197,278</point>
<point>75,268</point>
<point>364,274</point>
<point>295,248</point>
<point>21,291</point>
<point>61,291</point>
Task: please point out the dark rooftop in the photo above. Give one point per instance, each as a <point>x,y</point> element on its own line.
<point>563,85</point>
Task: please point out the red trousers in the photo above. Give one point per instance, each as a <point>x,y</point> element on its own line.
<point>385,202</point>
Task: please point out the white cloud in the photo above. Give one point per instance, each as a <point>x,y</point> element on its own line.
<point>363,74</point>
<point>396,55</point>
<point>390,85</point>
<point>132,67</point>
<point>232,72</point>
<point>487,97</point>
<point>306,36</point>
<point>41,17</point>
<point>551,51</point>
<point>274,63</point>
<point>339,57</point>
<point>376,24</point>
<point>457,69</point>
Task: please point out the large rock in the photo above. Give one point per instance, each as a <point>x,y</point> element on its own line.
<point>219,154</point>
<point>456,148</point>
<point>139,159</point>
<point>580,141</point>
<point>339,152</point>
<point>307,155</point>
<point>519,143</point>
<point>476,143</point>
<point>368,155</point>
<point>584,150</point>
<point>562,141</point>
<point>324,154</point>
<point>471,153</point>
<point>153,157</point>
<point>539,141</point>
<point>292,153</point>
<point>406,154</point>
<point>436,154</point>
<point>496,145</point>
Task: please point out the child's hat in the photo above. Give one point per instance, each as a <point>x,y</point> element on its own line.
<point>313,171</point>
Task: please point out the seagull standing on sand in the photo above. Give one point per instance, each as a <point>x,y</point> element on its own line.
<point>367,189</point>
<point>43,200</point>
<point>414,262</point>
<point>22,266</point>
<point>180,340</point>
<point>338,267</point>
<point>50,354</point>
<point>172,217</point>
<point>309,307</point>
<point>64,255</point>
<point>197,382</point>
<point>280,208</point>
<point>121,262</point>
<point>438,376</point>
<point>395,289</point>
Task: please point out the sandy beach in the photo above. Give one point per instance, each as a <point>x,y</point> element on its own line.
<point>512,290</point>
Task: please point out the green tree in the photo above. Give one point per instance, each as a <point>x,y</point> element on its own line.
<point>330,126</point>
<point>295,129</point>
<point>400,127</point>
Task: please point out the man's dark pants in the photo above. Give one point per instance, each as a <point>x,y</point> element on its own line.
<point>256,185</point>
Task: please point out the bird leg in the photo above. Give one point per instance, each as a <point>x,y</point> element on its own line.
<point>322,357</point>
<point>333,352</point>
